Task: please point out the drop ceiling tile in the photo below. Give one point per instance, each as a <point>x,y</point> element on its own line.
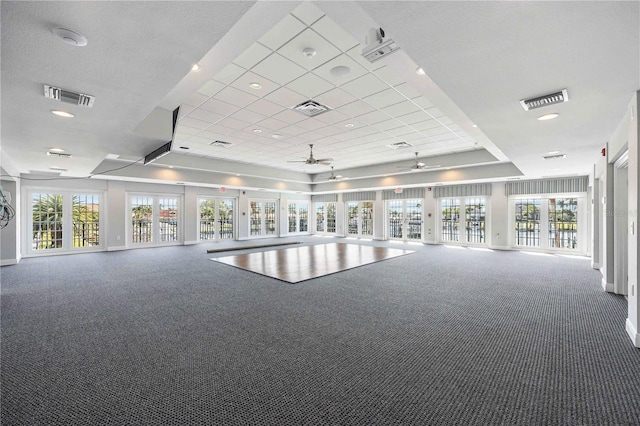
<point>264,107</point>
<point>373,117</point>
<point>293,50</point>
<point>436,131</point>
<point>248,116</point>
<point>243,83</point>
<point>229,73</point>
<point>186,131</point>
<point>289,116</point>
<point>434,112</point>
<point>236,97</point>
<point>446,137</point>
<point>219,107</point>
<point>356,109</point>
<point>355,70</point>
<point>204,115</point>
<point>335,34</point>
<point>365,86</point>
<point>335,98</point>
<point>272,124</point>
<point>389,76</point>
<point>407,90</point>
<point>414,117</point>
<point>250,57</point>
<point>309,137</point>
<point>285,97</point>
<point>210,88</point>
<point>222,131</point>
<point>282,32</point>
<point>195,99</point>
<point>310,85</point>
<point>402,109</point>
<point>384,99</point>
<point>331,117</point>
<point>427,124</point>
<point>310,123</point>
<point>196,124</point>
<point>184,110</point>
<point>329,131</point>
<point>307,12</point>
<point>423,102</point>
<point>293,130</point>
<point>388,124</point>
<point>399,131</point>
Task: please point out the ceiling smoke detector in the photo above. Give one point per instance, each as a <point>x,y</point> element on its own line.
<point>311,108</point>
<point>545,100</point>
<point>70,37</point>
<point>68,96</point>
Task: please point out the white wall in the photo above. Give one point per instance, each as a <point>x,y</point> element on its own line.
<point>10,235</point>
<point>631,123</point>
<point>498,237</point>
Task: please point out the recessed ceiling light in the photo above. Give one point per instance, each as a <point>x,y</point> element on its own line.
<point>255,86</point>
<point>276,136</point>
<point>474,125</point>
<point>553,152</point>
<point>349,125</point>
<point>340,71</point>
<point>171,167</point>
<point>309,52</point>
<point>184,147</point>
<point>195,68</point>
<point>56,149</point>
<point>257,131</point>
<point>71,37</point>
<point>64,114</point>
<point>549,116</point>
<point>420,71</point>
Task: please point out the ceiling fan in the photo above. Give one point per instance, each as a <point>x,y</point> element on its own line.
<point>417,165</point>
<point>333,176</point>
<point>311,160</point>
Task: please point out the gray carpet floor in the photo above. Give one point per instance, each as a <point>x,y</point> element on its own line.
<point>442,337</point>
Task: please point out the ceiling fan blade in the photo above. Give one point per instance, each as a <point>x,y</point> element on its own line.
<point>297,161</point>
<point>321,160</point>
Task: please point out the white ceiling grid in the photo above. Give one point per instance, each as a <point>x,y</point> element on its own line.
<point>371,107</point>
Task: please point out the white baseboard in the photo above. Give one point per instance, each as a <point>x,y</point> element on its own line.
<point>7,262</point>
<point>189,243</point>
<point>116,248</point>
<point>633,333</point>
<point>608,287</point>
<point>595,265</point>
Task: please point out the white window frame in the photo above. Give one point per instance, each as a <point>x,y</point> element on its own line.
<point>315,217</point>
<point>298,204</point>
<point>155,217</point>
<point>234,203</point>
<point>462,221</point>
<point>582,245</point>
<point>263,218</point>
<point>67,221</point>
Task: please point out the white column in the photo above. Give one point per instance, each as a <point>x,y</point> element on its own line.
<point>633,319</point>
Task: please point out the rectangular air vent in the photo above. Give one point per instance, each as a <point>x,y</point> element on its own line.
<point>555,156</point>
<point>58,154</point>
<point>399,145</point>
<point>221,144</point>
<point>545,100</point>
<point>68,96</point>
<point>311,108</point>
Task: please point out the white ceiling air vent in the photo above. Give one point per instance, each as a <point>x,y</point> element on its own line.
<point>58,154</point>
<point>68,96</point>
<point>554,156</point>
<point>399,145</point>
<point>311,108</point>
<point>545,100</point>
<point>221,144</point>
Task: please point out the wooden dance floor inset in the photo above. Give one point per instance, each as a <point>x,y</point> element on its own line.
<point>303,263</point>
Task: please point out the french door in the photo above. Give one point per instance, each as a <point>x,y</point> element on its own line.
<point>216,219</point>
<point>263,220</point>
<point>404,220</point>
<point>360,219</point>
